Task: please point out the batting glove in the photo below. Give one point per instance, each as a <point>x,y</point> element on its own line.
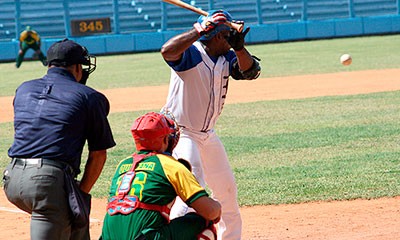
<point>236,39</point>
<point>210,23</point>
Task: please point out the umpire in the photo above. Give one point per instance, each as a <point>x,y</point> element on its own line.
<point>53,118</point>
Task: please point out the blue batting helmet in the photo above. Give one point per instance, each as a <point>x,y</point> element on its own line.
<point>219,28</point>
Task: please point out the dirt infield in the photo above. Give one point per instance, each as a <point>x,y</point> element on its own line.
<point>359,219</point>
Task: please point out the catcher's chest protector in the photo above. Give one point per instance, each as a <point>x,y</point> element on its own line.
<point>126,204</point>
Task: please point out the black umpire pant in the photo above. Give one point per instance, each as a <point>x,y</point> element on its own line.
<point>38,189</point>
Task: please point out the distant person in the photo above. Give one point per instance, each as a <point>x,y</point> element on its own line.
<point>146,184</point>
<point>55,116</point>
<point>29,39</point>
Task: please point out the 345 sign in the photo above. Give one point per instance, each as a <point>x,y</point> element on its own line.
<point>83,27</point>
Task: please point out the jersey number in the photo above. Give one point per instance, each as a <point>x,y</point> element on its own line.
<point>138,185</point>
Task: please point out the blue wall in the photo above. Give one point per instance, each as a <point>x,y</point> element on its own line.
<point>272,32</point>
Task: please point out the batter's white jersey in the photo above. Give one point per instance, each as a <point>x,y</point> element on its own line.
<point>198,88</point>
<point>197,92</point>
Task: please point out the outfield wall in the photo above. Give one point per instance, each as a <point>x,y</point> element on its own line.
<point>264,33</point>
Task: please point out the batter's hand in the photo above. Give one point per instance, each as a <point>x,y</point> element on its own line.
<point>236,39</point>
<point>209,23</point>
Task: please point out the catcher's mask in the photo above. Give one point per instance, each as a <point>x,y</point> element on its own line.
<point>67,52</point>
<point>173,137</point>
<point>219,28</point>
<point>150,130</point>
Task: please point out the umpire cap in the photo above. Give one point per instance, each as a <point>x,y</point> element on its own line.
<point>67,52</point>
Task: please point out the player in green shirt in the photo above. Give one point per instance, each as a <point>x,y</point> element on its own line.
<point>146,184</point>
<point>29,39</point>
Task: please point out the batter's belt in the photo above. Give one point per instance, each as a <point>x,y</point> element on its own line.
<point>204,131</point>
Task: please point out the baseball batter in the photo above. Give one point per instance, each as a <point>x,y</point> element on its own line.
<point>200,72</point>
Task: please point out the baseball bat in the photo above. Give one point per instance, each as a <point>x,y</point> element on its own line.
<point>178,3</point>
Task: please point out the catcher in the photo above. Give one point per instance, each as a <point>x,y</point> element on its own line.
<point>146,184</point>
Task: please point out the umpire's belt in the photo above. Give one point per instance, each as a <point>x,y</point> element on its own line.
<point>43,161</point>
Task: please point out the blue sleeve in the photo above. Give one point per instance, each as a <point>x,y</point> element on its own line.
<point>99,133</point>
<point>190,58</point>
<point>231,58</point>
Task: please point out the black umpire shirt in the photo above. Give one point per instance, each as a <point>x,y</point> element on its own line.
<point>55,115</point>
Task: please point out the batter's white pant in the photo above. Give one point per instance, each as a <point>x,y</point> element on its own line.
<point>210,166</point>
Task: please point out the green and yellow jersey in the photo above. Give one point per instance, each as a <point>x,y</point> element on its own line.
<point>159,179</point>
<point>29,37</point>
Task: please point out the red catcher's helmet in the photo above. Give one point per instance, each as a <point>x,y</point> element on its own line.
<point>150,129</point>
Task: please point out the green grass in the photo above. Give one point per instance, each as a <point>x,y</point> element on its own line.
<point>286,151</point>
<point>326,148</point>
<point>322,56</point>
